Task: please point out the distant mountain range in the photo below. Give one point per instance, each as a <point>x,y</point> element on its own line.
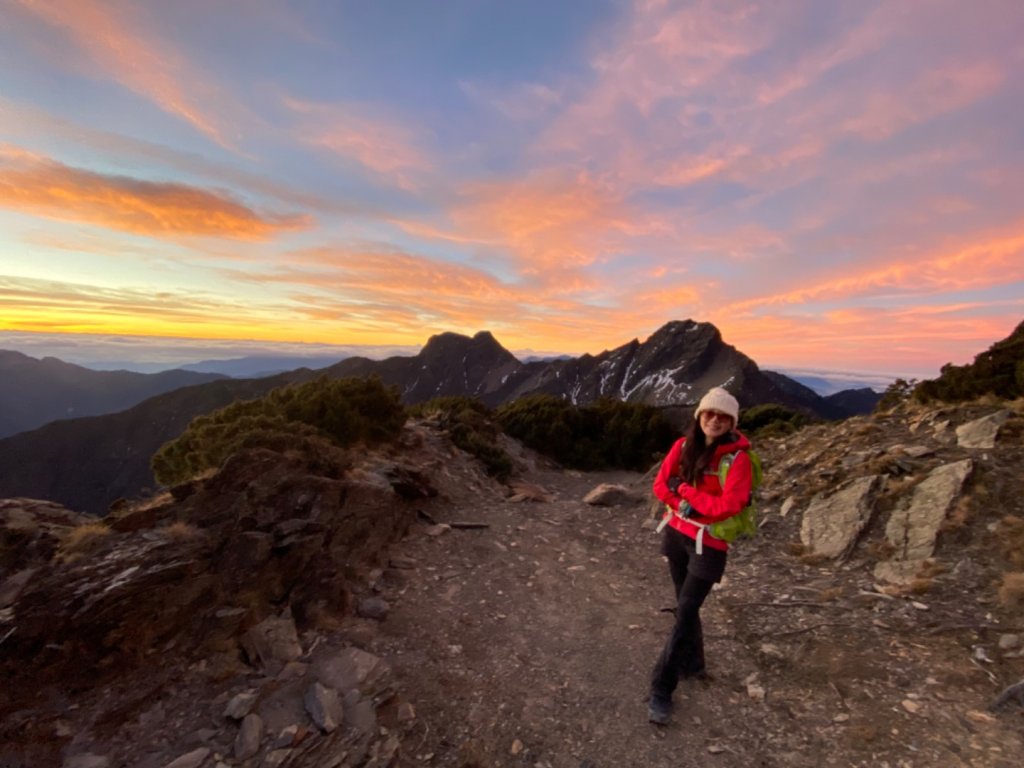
<point>34,392</point>
<point>259,366</point>
<point>830,382</point>
<point>86,463</point>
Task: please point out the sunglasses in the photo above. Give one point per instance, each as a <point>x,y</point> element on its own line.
<point>710,415</point>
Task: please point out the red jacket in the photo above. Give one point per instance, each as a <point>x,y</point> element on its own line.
<point>709,499</point>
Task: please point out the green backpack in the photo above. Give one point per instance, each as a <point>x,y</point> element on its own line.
<point>745,522</point>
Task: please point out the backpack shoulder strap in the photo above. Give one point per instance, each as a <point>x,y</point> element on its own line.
<point>725,464</point>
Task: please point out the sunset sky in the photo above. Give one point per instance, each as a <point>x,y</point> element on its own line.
<point>837,185</point>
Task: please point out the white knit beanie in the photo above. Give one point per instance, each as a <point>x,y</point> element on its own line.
<point>717,399</point>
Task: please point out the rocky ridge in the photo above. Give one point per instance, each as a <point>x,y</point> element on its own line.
<point>400,608</point>
<point>88,463</point>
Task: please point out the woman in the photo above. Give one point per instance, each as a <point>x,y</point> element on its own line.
<point>688,483</point>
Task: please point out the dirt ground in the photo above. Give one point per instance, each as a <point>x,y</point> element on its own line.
<point>530,642</point>
<point>527,639</point>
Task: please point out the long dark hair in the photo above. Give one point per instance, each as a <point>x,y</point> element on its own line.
<point>697,453</point>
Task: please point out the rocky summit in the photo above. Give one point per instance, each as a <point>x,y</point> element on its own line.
<point>398,607</point>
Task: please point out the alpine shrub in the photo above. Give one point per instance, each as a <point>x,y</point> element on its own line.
<point>998,371</point>
<point>604,434</point>
<point>772,420</point>
<point>472,428</point>
<point>346,411</point>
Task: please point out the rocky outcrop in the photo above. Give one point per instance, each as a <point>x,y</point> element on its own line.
<point>982,433</point>
<point>239,619</point>
<point>907,469</point>
<point>912,530</point>
<point>833,521</point>
<point>238,570</point>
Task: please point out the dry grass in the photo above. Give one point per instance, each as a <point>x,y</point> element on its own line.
<point>862,426</point>
<point>963,514</point>
<point>930,568</point>
<point>814,558</point>
<point>179,531</point>
<point>990,400</point>
<point>919,586</point>
<point>880,549</point>
<point>895,488</point>
<point>82,540</point>
<point>1011,591</point>
<point>1011,539</point>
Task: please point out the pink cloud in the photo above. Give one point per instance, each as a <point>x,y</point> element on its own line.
<point>994,261</point>
<point>384,146</point>
<point>901,341</point>
<point>116,41</point>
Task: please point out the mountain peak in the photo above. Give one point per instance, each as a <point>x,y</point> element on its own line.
<point>481,345</point>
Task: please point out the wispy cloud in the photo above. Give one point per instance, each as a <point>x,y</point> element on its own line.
<point>383,146</point>
<point>996,261</point>
<point>115,39</point>
<point>53,305</point>
<point>520,102</point>
<point>44,187</point>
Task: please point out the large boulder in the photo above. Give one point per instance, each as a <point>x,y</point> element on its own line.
<point>833,521</point>
<point>913,529</point>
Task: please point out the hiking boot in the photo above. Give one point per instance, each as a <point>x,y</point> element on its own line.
<point>659,709</point>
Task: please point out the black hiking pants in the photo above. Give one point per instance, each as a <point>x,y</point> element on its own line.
<point>693,576</point>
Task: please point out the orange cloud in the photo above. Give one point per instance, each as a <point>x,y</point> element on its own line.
<point>44,187</point>
<point>552,227</point>
<point>115,41</point>
<point>386,147</point>
<point>404,298</point>
<point>902,342</point>
<point>993,262</point>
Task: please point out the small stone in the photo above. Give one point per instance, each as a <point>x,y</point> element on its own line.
<point>609,495</point>
<point>247,742</point>
<point>87,760</point>
<point>191,759</point>
<point>911,706</point>
<point>841,718</point>
<point>240,705</point>
<point>276,758</point>
<point>920,606</point>
<point>324,707</point>
<point>771,651</point>
<point>716,749</point>
<point>406,712</point>
<point>1008,642</point>
<point>373,608</point>
<point>756,691</point>
<point>286,738</point>
<point>787,506</point>
<point>516,748</point>
<point>980,717</point>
